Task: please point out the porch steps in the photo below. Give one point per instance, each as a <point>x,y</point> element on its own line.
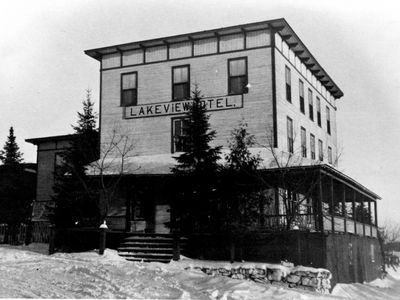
<point>149,247</point>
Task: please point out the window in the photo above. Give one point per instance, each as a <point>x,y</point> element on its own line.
<point>330,155</point>
<point>59,162</point>
<point>319,112</point>
<point>237,76</point>
<point>129,89</point>
<point>310,105</point>
<point>180,134</point>
<point>288,80</point>
<point>372,253</point>
<point>320,150</point>
<point>290,134</point>
<point>180,83</point>
<point>301,96</point>
<point>303,142</point>
<point>328,120</point>
<point>312,146</point>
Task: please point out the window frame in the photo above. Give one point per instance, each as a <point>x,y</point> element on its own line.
<point>330,157</point>
<point>246,76</point>
<point>180,83</point>
<point>312,146</point>
<point>173,146</point>
<point>301,96</point>
<point>319,121</point>
<point>320,150</point>
<point>310,105</point>
<point>303,138</point>
<point>328,120</point>
<point>288,84</point>
<point>122,88</point>
<point>289,133</point>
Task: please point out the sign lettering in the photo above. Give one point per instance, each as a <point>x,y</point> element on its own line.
<point>181,107</point>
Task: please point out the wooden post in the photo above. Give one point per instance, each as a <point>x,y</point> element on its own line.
<point>370,217</point>
<point>354,211</point>
<point>344,210</point>
<point>362,214</point>
<point>52,237</point>
<point>321,215</point>
<point>176,245</point>
<point>376,214</point>
<point>102,237</point>
<point>332,210</point>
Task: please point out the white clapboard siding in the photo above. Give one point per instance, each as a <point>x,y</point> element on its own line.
<point>111,60</point>
<point>231,42</point>
<point>156,53</point>
<point>180,50</point>
<point>132,57</point>
<point>206,46</point>
<point>257,38</point>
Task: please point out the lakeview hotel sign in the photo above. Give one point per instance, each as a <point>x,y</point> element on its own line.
<point>182,107</point>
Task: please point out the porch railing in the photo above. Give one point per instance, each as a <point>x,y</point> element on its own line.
<point>341,224</point>
<point>280,222</point>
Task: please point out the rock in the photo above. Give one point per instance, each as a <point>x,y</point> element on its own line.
<point>293,278</point>
<point>274,274</point>
<point>309,281</point>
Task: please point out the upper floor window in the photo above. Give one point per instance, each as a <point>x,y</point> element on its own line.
<point>288,79</point>
<point>180,134</point>
<point>301,96</point>
<point>310,105</point>
<point>290,134</point>
<point>129,89</point>
<point>320,150</point>
<point>237,76</point>
<point>319,112</point>
<point>328,120</point>
<point>181,82</point>
<point>312,146</point>
<point>330,160</point>
<point>303,142</point>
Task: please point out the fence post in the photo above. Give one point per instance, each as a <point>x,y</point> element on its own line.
<point>103,228</point>
<point>52,238</point>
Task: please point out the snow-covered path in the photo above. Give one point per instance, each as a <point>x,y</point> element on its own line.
<point>25,273</point>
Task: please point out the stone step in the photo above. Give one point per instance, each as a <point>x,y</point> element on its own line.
<point>145,255</point>
<point>163,260</point>
<point>135,249</point>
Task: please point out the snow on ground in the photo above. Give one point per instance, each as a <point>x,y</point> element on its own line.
<point>26,271</point>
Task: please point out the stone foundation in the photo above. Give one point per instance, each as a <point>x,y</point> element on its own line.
<point>286,274</point>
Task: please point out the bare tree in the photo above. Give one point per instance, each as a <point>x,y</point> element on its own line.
<point>295,188</point>
<point>390,232</point>
<point>112,165</point>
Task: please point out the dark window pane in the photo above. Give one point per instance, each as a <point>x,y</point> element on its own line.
<point>181,91</point>
<point>129,97</point>
<point>238,85</point>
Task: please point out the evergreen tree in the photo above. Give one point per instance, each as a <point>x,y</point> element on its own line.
<point>197,169</point>
<point>10,153</point>
<point>76,193</point>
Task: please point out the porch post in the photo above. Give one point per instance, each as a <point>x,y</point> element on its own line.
<point>376,213</point>
<point>344,210</point>
<point>354,211</point>
<point>362,213</point>
<point>370,217</point>
<point>332,210</point>
<point>320,212</point>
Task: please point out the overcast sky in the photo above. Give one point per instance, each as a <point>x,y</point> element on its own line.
<point>44,72</point>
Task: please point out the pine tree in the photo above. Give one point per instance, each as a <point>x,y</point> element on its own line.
<point>197,169</point>
<point>75,193</point>
<point>10,153</point>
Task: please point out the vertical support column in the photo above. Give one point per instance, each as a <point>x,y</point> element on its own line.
<point>354,211</point>
<point>370,217</point>
<point>332,208</point>
<point>344,210</point>
<point>320,212</point>
<point>376,213</point>
<point>362,214</point>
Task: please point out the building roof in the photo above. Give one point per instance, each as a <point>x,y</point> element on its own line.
<point>55,138</point>
<point>279,25</point>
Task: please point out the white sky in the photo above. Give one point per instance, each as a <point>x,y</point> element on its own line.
<point>44,72</point>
